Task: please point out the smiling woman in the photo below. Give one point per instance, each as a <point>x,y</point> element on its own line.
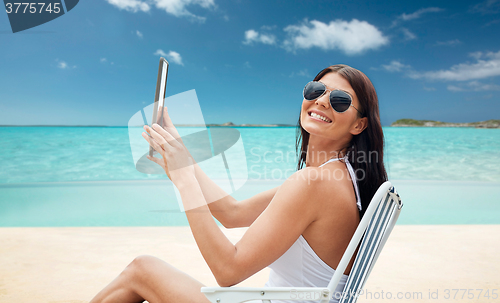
<point>358,129</point>
<point>287,224</point>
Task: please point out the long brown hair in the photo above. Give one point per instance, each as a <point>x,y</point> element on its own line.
<point>366,150</point>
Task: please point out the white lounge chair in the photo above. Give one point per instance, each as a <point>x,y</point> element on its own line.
<point>373,229</point>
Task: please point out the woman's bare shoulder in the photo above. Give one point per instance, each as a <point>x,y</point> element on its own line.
<point>332,175</point>
<point>330,183</point>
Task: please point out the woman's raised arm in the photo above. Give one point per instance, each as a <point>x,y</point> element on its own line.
<point>290,212</point>
<point>227,210</point>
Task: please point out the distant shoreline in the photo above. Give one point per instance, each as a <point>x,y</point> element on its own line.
<point>432,123</point>
<point>398,123</point>
<point>177,125</point>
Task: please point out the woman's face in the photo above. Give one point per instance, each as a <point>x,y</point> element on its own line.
<point>340,126</point>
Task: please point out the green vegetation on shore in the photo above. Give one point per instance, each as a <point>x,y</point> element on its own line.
<point>432,123</point>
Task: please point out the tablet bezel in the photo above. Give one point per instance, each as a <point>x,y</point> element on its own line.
<point>161,89</point>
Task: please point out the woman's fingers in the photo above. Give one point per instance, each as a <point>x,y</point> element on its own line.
<point>153,143</point>
<point>156,160</point>
<point>163,164</point>
<point>159,138</point>
<point>167,136</point>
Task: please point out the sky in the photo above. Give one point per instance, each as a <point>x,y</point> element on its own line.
<point>249,60</point>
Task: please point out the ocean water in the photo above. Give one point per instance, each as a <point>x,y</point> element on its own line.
<point>86,176</point>
<point>59,154</point>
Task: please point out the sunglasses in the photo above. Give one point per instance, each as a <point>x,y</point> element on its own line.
<point>339,99</point>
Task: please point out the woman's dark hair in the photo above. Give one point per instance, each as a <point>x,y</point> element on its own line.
<point>366,150</point>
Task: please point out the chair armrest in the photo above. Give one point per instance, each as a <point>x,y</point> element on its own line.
<point>244,294</point>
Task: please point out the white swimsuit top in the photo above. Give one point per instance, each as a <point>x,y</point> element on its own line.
<point>353,178</point>
<point>299,266</point>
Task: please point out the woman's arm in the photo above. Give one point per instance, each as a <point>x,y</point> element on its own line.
<point>227,210</point>
<point>271,235</point>
<point>230,212</point>
<point>295,205</point>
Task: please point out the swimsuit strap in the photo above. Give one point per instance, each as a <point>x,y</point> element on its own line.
<point>353,177</point>
<point>354,181</point>
<point>331,160</point>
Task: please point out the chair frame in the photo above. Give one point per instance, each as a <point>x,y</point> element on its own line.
<point>377,223</point>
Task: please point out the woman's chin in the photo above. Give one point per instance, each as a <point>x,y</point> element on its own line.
<point>315,131</point>
<point>315,128</point>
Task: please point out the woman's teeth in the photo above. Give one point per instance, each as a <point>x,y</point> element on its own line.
<point>320,117</point>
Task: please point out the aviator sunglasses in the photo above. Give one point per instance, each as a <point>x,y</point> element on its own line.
<point>339,99</point>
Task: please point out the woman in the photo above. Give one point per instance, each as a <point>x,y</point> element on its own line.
<point>339,123</point>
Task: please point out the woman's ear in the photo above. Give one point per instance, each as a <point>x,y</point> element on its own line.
<point>359,126</point>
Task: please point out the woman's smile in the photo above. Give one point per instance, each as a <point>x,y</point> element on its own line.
<point>318,116</point>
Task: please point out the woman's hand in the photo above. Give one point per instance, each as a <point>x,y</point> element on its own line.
<point>176,160</point>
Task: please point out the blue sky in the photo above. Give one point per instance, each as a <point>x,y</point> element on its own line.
<point>249,60</point>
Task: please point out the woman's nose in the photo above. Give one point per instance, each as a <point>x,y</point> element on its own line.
<point>324,100</point>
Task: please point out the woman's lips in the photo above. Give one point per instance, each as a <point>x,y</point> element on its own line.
<point>314,116</point>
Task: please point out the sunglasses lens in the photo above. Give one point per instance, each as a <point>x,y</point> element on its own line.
<point>313,90</point>
<point>340,101</point>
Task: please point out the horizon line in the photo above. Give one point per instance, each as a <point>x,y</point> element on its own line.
<point>178,125</point>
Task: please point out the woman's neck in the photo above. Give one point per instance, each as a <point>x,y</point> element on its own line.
<point>320,150</point>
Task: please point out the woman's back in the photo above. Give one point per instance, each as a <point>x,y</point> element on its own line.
<point>311,260</point>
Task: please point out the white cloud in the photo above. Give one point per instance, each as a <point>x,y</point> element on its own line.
<point>415,15</point>
<point>492,22</point>
<point>173,57</point>
<point>160,53</point>
<point>395,66</point>
<point>455,88</point>
<point>173,7</point>
<point>449,42</point>
<point>473,86</point>
<point>268,27</point>
<point>139,34</point>
<point>487,7</point>
<point>352,37</point>
<point>408,35</point>
<point>178,7</point>
<point>63,64</point>
<point>104,61</point>
<point>487,65</point>
<point>252,36</point>
<point>419,13</point>
<point>130,5</point>
<point>476,55</point>
<point>301,73</point>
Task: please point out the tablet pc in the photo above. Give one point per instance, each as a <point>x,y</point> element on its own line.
<point>161,89</point>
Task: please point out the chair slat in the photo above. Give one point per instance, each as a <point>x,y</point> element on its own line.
<point>371,244</point>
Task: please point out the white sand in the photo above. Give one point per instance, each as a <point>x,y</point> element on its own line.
<point>72,264</point>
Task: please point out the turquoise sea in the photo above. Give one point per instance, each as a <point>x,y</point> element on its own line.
<point>85,176</point>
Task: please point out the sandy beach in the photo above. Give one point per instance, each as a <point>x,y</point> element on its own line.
<point>420,263</point>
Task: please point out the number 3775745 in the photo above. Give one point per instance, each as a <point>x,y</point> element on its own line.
<point>32,8</point>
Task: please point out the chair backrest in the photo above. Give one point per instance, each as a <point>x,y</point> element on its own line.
<point>373,229</point>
